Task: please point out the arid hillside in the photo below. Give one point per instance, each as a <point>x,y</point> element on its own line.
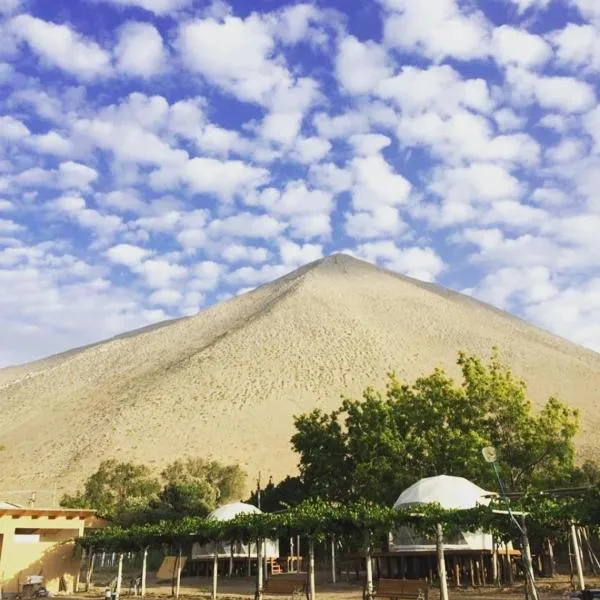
<point>227,382</point>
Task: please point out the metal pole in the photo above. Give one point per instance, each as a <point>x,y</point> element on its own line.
<point>441,560</point>
<point>144,570</point>
<point>528,562</point>
<point>577,557</point>
<point>215,575</point>
<point>119,576</point>
<point>333,565</point>
<point>259,574</point>
<point>311,567</point>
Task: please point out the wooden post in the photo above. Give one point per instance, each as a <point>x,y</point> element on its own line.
<point>533,595</point>
<point>298,562</point>
<point>593,560</point>
<point>249,563</point>
<point>144,570</point>
<point>456,571</point>
<point>333,565</point>
<point>311,568</point>
<point>551,560</point>
<point>119,576</point>
<point>178,579</point>
<point>441,560</point>
<point>90,570</point>
<point>472,572</point>
<point>215,575</point>
<point>369,567</point>
<point>495,575</point>
<point>291,567</point>
<point>577,554</point>
<point>266,571</point>
<point>509,571</point>
<point>259,574</point>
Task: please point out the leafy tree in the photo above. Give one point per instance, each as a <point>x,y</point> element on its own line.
<point>120,491</point>
<point>373,448</point>
<point>196,486</point>
<point>290,491</point>
<point>127,493</point>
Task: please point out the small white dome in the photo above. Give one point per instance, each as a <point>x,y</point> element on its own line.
<point>230,511</point>
<point>450,492</point>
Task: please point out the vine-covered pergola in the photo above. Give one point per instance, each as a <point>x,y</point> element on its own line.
<point>359,524</point>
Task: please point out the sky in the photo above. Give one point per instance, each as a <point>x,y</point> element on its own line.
<point>158,156</point>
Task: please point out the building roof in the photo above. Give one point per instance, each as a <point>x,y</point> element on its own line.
<point>450,492</point>
<point>230,511</point>
<point>21,511</point>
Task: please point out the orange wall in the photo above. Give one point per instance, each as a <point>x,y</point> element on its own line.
<point>53,555</point>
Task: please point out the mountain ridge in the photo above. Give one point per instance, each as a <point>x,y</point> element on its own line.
<point>227,382</point>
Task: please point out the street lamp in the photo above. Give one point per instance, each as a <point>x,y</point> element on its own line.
<point>490,456</point>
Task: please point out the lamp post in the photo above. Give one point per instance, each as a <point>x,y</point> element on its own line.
<point>490,456</point>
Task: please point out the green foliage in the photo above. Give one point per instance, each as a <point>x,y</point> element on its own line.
<point>119,491</point>
<point>196,486</point>
<point>127,493</point>
<point>290,491</point>
<point>371,449</point>
<point>356,522</point>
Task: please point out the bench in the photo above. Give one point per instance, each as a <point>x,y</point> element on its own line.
<point>402,589</point>
<point>285,585</point>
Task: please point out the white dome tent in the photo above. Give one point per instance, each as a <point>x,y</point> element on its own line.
<point>239,550</point>
<point>451,493</point>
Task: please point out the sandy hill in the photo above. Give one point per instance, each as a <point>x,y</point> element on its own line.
<point>228,381</point>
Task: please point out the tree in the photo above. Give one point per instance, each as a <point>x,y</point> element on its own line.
<point>127,493</point>
<point>120,491</point>
<point>290,491</point>
<point>373,448</point>
<point>196,486</point>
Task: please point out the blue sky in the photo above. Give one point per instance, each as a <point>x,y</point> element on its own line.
<point>157,156</point>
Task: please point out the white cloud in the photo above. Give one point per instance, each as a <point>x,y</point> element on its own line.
<point>60,46</point>
<point>10,6</point>
<point>9,226</point>
<point>420,263</point>
<point>238,253</point>
<point>223,178</point>
<point>512,46</point>
<point>12,129</point>
<point>51,143</point>
<point>577,46</point>
<point>360,66</point>
<point>438,29</point>
<point>158,7</point>
<point>341,126</point>
<point>128,255</point>
<point>123,201</point>
<point>376,183</point>
<point>566,151</point>
<point>508,120</point>
<point>75,208</point>
<point>165,297</point>
<point>524,5</point>
<point>140,50</point>
<point>246,225</point>
<point>299,254</point>
<point>382,221</point>
<point>565,94</point>
<point>437,88</point>
<point>369,143</point>
<point>253,276</point>
<point>295,199</point>
<point>311,150</point>
<point>159,273</point>
<point>236,55</point>
<point>73,175</point>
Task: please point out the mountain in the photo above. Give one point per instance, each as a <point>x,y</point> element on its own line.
<point>227,382</point>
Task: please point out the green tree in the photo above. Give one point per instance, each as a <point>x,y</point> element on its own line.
<point>196,486</point>
<point>375,447</point>
<point>290,491</point>
<point>120,491</point>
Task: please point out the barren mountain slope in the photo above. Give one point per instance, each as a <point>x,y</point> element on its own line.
<point>228,381</point>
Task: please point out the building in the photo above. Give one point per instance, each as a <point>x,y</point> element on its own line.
<point>38,541</point>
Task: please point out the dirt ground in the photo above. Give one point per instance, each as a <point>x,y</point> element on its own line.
<point>193,588</point>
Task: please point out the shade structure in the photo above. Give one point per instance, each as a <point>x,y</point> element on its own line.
<point>451,493</point>
<point>233,549</point>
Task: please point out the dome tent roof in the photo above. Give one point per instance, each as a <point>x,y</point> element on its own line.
<point>232,510</point>
<point>450,492</point>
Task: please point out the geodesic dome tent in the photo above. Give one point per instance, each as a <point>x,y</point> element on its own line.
<point>239,550</point>
<point>451,493</point>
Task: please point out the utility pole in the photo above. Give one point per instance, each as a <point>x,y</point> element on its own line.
<point>258,490</point>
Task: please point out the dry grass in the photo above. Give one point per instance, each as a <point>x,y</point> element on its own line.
<point>227,382</point>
